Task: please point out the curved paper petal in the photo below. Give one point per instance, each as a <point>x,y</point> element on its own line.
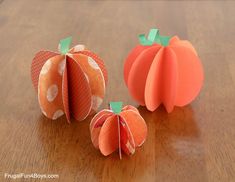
<point>139,71</point>
<point>190,75</point>
<point>50,87</point>
<point>38,61</point>
<point>162,80</point>
<point>102,115</point>
<point>154,83</point>
<point>186,44</point>
<point>109,136</point>
<point>130,107</point>
<point>79,90</point>
<point>96,124</point>
<point>136,124</point>
<point>94,77</point>
<point>126,138</point>
<point>99,61</point>
<point>130,60</point>
<point>169,77</point>
<point>174,39</point>
<point>65,92</point>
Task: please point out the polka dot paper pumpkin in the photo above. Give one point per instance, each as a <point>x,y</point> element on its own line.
<point>71,82</point>
<point>118,128</point>
<point>163,70</point>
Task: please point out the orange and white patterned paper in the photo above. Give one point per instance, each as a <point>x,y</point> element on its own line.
<point>72,84</point>
<point>123,131</point>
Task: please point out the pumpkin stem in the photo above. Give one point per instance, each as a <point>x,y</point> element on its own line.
<point>164,40</point>
<point>154,37</point>
<point>116,107</point>
<point>64,45</point>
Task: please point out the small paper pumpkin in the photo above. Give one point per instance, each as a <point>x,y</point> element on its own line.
<point>71,82</point>
<point>163,70</point>
<point>118,128</point>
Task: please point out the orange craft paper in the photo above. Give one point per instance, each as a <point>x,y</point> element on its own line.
<point>72,84</point>
<point>170,75</point>
<point>123,132</point>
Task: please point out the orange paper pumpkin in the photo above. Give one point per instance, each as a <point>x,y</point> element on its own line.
<point>120,129</point>
<point>163,70</point>
<point>71,82</point>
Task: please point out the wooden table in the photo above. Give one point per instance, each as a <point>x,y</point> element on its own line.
<point>193,143</point>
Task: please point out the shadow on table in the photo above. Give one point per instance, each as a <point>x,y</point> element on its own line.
<point>173,140</point>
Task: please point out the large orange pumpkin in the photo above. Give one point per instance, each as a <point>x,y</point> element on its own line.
<point>71,82</point>
<point>163,70</point>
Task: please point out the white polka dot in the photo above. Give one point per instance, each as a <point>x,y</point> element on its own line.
<point>52,92</point>
<point>96,102</point>
<point>61,67</point>
<point>92,63</point>
<point>79,48</point>
<point>57,114</point>
<point>87,78</point>
<point>46,67</point>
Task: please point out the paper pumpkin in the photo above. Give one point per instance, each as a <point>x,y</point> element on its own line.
<point>71,82</point>
<point>118,128</point>
<point>163,70</point>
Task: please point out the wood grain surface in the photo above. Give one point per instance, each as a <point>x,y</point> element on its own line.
<point>195,143</point>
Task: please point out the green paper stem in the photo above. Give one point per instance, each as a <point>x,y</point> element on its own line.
<point>65,44</point>
<point>144,41</point>
<point>154,37</point>
<point>165,40</point>
<point>116,107</point>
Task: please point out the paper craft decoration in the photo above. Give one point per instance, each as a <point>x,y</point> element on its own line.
<point>163,70</point>
<point>118,128</point>
<point>71,82</point>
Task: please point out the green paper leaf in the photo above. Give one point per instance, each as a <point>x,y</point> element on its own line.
<point>154,37</point>
<point>165,40</point>
<point>64,45</point>
<point>157,39</point>
<point>143,40</point>
<point>153,34</point>
<point>116,107</point>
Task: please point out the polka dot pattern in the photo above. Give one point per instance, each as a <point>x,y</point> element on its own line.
<point>99,61</point>
<point>56,75</point>
<point>92,63</point>
<point>95,79</point>
<point>124,133</point>
<point>78,48</point>
<point>52,92</point>
<point>58,114</point>
<point>61,67</point>
<point>50,87</point>
<point>46,67</point>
